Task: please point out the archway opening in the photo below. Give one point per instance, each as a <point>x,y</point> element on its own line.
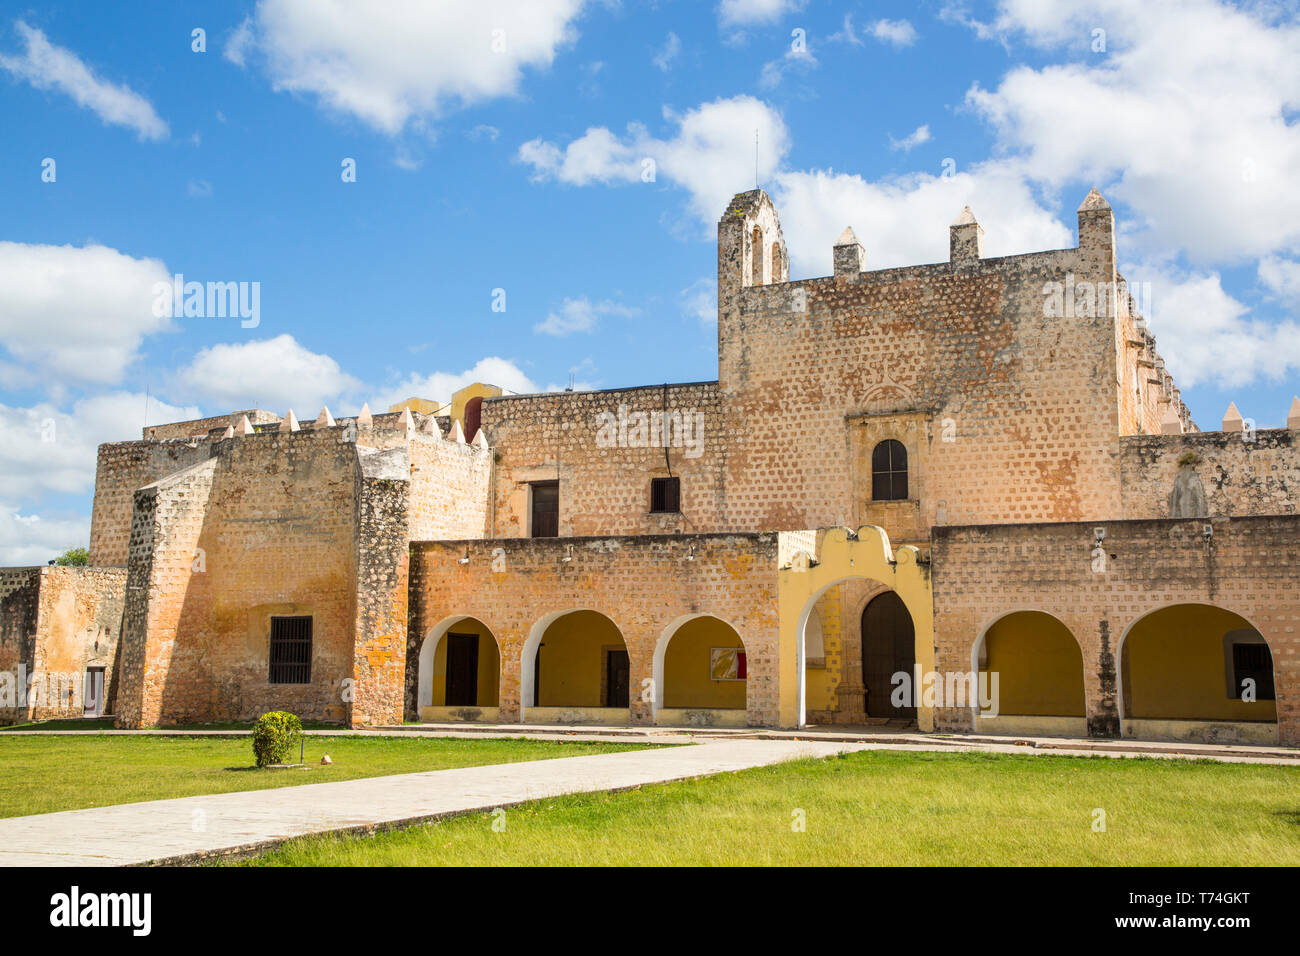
<point>460,672</point>
<point>701,671</point>
<point>1029,670</point>
<point>857,634</point>
<point>1197,672</point>
<point>576,669</point>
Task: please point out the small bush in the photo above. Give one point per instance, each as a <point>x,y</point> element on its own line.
<point>1189,458</point>
<point>274,736</point>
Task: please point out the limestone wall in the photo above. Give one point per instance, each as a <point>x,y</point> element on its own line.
<point>120,469</point>
<point>643,584</point>
<point>1247,566</point>
<point>1239,477</point>
<point>593,443</point>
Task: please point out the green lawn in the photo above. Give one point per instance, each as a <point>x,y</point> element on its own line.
<point>878,808</point>
<point>106,723</point>
<point>41,774</point>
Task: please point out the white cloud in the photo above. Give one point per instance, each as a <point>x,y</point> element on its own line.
<point>1281,277</point>
<point>49,67</point>
<point>47,450</point>
<point>699,300</point>
<point>29,539</point>
<point>439,386</point>
<point>847,34</point>
<point>239,42</point>
<point>74,314</point>
<point>913,139</point>
<point>1197,137</point>
<point>275,374</point>
<point>897,33</point>
<point>797,58</point>
<point>710,155</point>
<point>1206,335</point>
<point>903,220</point>
<point>672,48</point>
<point>581,315</point>
<point>748,12</point>
<point>386,63</point>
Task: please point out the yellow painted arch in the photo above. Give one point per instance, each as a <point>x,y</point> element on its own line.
<point>839,554</point>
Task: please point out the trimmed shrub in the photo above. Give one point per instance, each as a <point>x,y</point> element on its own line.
<point>274,737</point>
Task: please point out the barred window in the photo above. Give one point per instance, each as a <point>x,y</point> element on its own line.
<point>290,650</point>
<point>665,495</point>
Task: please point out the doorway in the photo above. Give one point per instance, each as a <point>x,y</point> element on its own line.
<point>617,678</point>
<point>462,670</point>
<point>888,648</point>
<point>94,692</point>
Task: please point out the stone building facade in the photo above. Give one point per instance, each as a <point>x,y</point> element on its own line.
<point>965,495</point>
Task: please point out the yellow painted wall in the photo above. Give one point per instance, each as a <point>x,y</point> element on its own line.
<point>687,679</point>
<point>572,659</point>
<point>820,682</point>
<point>1174,667</point>
<point>1039,666</point>
<point>867,555</point>
<point>475,390</point>
<point>489,665</point>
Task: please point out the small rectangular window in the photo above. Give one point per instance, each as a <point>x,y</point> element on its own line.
<point>665,495</point>
<point>290,650</point>
<point>546,509</point>
<point>1253,661</point>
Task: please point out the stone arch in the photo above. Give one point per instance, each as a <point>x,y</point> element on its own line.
<point>1045,693</point>
<point>695,708</point>
<point>756,256</point>
<point>1176,676</point>
<point>582,692</point>
<point>489,660</point>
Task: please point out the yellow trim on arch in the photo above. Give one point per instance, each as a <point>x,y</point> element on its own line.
<point>837,557</point>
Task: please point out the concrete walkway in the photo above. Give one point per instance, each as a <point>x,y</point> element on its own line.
<point>189,829</point>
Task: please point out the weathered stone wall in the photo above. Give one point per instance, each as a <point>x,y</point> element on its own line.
<point>448,488</point>
<point>590,443</point>
<point>1011,413</point>
<point>1239,477</point>
<point>204,427</point>
<point>642,583</point>
<point>267,528</point>
<point>166,529</point>
<point>19,600</point>
<point>121,468</point>
<point>1247,566</point>
<point>78,625</point>
<point>383,563</point>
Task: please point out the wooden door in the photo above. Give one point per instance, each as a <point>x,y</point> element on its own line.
<point>888,647</point>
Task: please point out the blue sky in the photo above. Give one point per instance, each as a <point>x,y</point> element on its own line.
<point>516,161</point>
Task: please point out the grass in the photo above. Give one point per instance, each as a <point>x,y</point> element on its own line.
<point>877,808</point>
<point>41,774</point>
<point>106,723</point>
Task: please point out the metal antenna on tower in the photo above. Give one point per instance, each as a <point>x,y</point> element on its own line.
<point>755,157</point>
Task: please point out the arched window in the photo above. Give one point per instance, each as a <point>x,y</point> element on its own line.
<point>776,262</point>
<point>889,471</point>
<point>756,250</point>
